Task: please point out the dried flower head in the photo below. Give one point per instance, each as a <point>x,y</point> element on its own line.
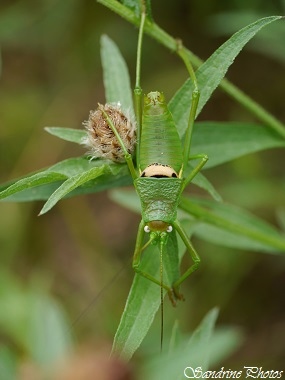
<point>101,139</point>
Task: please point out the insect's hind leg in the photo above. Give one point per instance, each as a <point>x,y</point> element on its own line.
<point>194,255</point>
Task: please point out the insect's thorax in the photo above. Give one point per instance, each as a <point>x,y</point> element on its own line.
<point>159,198</point>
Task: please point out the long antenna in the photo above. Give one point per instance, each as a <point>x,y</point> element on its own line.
<point>96,297</point>
<point>161,297</point>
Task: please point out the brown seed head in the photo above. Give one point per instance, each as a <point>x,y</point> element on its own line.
<point>101,140</point>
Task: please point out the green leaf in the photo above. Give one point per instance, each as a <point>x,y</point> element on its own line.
<point>116,76</point>
<point>8,363</point>
<point>40,186</point>
<point>126,198</point>
<point>190,353</point>
<point>268,43</point>
<point>32,181</point>
<point>210,74</point>
<point>135,6</point>
<point>38,193</point>
<point>225,341</point>
<point>201,181</point>
<point>231,226</point>
<point>144,297</point>
<point>71,184</point>
<point>49,344</point>
<point>220,223</point>
<point>67,134</point>
<point>223,142</point>
<point>24,312</point>
<point>198,345</point>
<point>58,172</point>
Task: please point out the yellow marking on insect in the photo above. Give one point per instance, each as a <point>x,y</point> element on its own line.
<point>159,170</point>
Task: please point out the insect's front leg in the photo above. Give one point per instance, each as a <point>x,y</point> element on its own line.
<point>137,259</point>
<point>203,160</point>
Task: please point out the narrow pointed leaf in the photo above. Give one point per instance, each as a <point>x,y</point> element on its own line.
<point>67,134</point>
<point>201,181</point>
<point>199,343</point>
<point>144,297</point>
<point>221,223</point>
<point>231,226</point>
<point>187,355</point>
<point>41,185</point>
<point>47,345</point>
<point>71,184</point>
<point>210,74</point>
<point>225,342</point>
<point>116,76</point>
<point>32,181</point>
<point>224,142</point>
<point>58,172</point>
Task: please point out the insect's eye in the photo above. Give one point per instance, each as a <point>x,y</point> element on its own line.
<point>169,229</point>
<point>146,229</point>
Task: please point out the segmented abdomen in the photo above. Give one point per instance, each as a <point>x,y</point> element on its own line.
<point>160,142</point>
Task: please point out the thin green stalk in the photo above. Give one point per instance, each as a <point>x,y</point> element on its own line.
<point>153,30</point>
<point>210,217</point>
<point>252,106</point>
<point>194,104</point>
<point>138,89</point>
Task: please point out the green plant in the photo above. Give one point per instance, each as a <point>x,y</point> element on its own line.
<point>221,141</point>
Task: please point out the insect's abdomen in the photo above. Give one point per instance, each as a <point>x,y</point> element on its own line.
<point>160,142</point>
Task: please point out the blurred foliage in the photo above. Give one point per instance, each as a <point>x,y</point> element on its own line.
<point>51,75</point>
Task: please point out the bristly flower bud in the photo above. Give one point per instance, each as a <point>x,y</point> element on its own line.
<point>101,139</point>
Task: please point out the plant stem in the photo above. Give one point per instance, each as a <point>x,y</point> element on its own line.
<point>153,30</point>
<point>207,216</point>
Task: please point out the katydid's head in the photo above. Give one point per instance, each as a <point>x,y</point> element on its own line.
<point>157,170</point>
<point>157,226</point>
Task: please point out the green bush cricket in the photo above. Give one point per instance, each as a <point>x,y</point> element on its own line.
<point>160,171</point>
<point>159,178</point>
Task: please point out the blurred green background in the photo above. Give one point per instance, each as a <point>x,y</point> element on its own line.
<point>51,76</point>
